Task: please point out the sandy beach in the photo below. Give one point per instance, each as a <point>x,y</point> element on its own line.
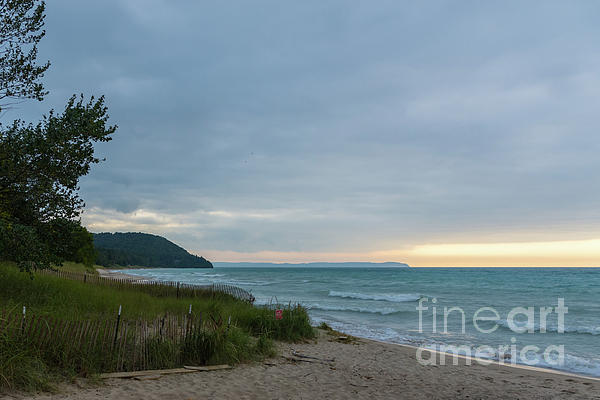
<point>362,369</point>
<point>108,273</point>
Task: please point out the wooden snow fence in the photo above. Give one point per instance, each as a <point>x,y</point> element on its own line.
<point>114,345</point>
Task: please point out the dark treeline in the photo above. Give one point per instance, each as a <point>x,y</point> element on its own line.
<point>142,249</point>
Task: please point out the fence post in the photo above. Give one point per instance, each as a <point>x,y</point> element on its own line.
<point>117,328</point>
<point>177,289</point>
<point>84,276</point>
<point>23,321</point>
<point>189,322</point>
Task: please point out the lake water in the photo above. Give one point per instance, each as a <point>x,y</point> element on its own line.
<point>381,303</point>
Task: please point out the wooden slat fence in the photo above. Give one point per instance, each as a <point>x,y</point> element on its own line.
<point>157,288</point>
<point>111,345</point>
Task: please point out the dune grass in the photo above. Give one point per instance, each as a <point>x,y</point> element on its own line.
<point>24,366</point>
<point>69,266</point>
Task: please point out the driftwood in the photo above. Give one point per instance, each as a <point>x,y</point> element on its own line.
<point>209,367</point>
<point>296,354</point>
<point>296,359</point>
<point>148,378</point>
<point>153,373</point>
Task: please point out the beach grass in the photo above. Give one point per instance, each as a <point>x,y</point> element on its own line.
<point>69,266</point>
<point>241,332</point>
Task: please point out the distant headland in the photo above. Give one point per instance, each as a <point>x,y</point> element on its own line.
<point>352,264</point>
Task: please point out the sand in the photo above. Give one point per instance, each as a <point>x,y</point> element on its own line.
<point>108,273</point>
<point>363,369</point>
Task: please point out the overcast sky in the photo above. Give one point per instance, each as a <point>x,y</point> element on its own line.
<point>336,130</point>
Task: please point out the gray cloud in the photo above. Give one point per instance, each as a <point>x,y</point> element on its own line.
<point>332,126</point>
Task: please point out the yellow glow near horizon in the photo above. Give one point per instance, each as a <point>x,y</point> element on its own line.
<point>575,248</point>
<point>571,253</point>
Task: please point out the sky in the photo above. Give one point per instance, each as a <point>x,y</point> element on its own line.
<point>437,133</point>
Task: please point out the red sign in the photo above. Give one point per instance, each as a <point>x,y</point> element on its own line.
<point>278,314</point>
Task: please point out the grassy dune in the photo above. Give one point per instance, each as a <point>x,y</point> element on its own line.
<point>24,366</point>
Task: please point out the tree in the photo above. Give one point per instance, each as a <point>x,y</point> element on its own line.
<point>21,23</point>
<point>41,164</point>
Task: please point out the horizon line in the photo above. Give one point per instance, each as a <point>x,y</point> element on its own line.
<point>404,263</point>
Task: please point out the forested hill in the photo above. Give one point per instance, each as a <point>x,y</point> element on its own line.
<point>144,250</point>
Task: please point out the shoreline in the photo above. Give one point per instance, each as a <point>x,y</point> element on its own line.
<point>116,274</point>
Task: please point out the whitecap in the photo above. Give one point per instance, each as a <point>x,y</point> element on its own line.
<point>535,327</point>
<point>381,311</point>
<point>394,298</point>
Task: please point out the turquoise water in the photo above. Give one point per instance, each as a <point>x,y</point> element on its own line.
<point>381,303</point>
